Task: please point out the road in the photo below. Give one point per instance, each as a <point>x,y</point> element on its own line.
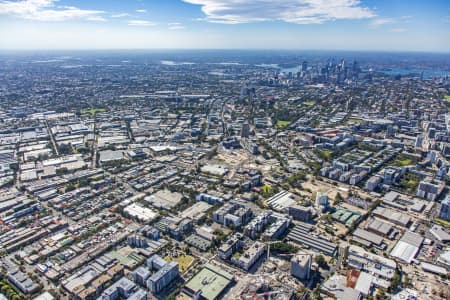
<point>52,139</point>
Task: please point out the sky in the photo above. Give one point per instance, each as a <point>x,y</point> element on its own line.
<point>369,25</point>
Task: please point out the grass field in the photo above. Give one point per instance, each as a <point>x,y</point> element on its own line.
<point>282,124</point>
<point>447,97</point>
<point>410,182</point>
<point>353,121</point>
<point>404,160</point>
<point>266,188</point>
<point>181,111</point>
<point>309,103</point>
<point>326,154</point>
<point>93,111</point>
<point>184,261</point>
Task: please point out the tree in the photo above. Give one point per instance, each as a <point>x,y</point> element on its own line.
<point>338,199</point>
<point>327,218</point>
<point>65,149</point>
<point>395,282</point>
<point>406,280</point>
<point>316,293</point>
<point>320,261</point>
<point>381,295</point>
<point>283,248</point>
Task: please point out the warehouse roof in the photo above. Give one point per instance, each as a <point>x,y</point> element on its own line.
<point>407,247</point>
<point>368,236</point>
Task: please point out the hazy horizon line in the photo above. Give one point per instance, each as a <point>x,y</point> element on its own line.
<point>221,49</point>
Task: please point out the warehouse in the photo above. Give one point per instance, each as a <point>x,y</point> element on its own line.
<point>141,213</point>
<point>301,234</point>
<point>407,247</point>
<point>427,267</point>
<point>281,201</point>
<point>370,237</point>
<point>439,233</point>
<point>379,227</point>
<point>164,199</point>
<point>392,216</point>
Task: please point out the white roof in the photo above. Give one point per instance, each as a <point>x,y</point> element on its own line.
<point>404,251</point>
<point>364,283</point>
<point>445,257</point>
<point>44,296</point>
<point>408,246</point>
<point>433,268</point>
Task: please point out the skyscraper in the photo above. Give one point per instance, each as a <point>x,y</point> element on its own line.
<point>444,213</point>
<point>245,130</point>
<point>304,66</point>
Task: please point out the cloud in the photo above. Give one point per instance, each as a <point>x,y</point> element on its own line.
<point>141,11</point>
<point>380,22</point>
<point>121,15</point>
<point>291,11</point>
<point>142,23</point>
<point>45,10</point>
<point>96,18</point>
<point>176,26</point>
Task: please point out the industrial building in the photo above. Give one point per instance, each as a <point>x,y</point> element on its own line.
<point>301,234</point>
<point>208,284</point>
<point>392,216</point>
<point>281,201</point>
<point>407,247</point>
<point>367,238</point>
<point>379,266</point>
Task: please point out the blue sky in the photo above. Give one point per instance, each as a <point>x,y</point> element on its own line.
<point>399,25</point>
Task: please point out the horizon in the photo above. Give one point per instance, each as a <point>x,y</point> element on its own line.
<point>159,50</point>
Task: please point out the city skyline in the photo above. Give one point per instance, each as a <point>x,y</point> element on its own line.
<point>216,24</point>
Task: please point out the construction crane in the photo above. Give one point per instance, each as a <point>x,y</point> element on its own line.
<point>269,294</point>
<point>268,247</point>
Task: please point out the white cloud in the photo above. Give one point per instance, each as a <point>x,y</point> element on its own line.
<point>175,26</point>
<point>292,11</point>
<point>96,18</point>
<point>120,15</point>
<point>141,11</point>
<point>45,10</point>
<point>142,23</point>
<point>380,22</point>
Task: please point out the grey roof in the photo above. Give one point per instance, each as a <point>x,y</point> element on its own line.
<point>368,236</point>
<point>440,233</point>
<point>412,239</point>
<point>139,295</point>
<point>379,226</point>
<point>301,235</point>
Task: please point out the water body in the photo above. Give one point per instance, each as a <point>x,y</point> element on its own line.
<point>294,70</point>
<point>174,63</point>
<point>426,73</point>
